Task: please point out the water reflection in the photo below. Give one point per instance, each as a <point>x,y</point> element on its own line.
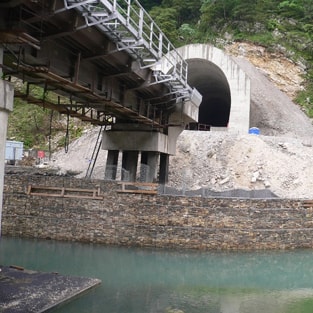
<point>158,281</point>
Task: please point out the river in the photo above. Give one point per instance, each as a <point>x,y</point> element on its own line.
<point>138,280</point>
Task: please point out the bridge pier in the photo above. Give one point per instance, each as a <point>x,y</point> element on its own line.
<point>149,164</point>
<point>6,106</point>
<point>164,164</point>
<point>129,165</point>
<point>111,165</point>
<point>131,140</point>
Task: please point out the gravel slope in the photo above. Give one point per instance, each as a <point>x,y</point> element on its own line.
<point>223,161</point>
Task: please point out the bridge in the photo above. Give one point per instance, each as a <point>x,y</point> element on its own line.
<point>108,63</point>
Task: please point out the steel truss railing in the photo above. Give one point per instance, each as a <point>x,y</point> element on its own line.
<point>133,30</point>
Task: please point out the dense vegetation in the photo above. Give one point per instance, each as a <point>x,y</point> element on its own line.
<point>40,128</point>
<point>286,26</point>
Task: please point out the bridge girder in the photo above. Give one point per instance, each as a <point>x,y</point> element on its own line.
<point>65,50</point>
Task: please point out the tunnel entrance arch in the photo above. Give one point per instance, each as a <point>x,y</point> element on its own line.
<point>212,83</point>
<point>227,84</point>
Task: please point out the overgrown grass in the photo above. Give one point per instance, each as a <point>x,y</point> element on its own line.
<point>35,126</point>
<point>305,99</point>
<point>262,39</point>
<point>27,123</point>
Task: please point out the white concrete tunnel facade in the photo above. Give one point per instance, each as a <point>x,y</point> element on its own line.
<point>224,86</point>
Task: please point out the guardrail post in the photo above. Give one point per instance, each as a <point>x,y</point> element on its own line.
<point>140,26</point>
<point>151,36</point>
<point>114,5</point>
<point>160,53</point>
<point>128,12</point>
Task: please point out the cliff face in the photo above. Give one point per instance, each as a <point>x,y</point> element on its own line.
<point>275,80</point>
<point>286,75</point>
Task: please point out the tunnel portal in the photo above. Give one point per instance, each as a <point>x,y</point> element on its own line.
<point>211,82</point>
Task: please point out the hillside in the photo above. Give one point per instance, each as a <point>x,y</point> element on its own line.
<point>280,159</point>
<point>272,109</point>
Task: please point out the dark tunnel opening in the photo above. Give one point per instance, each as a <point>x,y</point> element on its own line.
<point>212,83</point>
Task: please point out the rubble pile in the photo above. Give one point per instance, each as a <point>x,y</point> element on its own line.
<point>222,161</point>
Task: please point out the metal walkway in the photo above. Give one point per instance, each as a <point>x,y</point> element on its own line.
<point>133,30</point>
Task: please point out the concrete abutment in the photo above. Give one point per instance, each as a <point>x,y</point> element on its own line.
<point>111,165</point>
<point>149,165</point>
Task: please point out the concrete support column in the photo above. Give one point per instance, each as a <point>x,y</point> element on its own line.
<point>129,165</point>
<point>148,170</point>
<point>111,165</point>
<point>6,106</point>
<point>164,163</point>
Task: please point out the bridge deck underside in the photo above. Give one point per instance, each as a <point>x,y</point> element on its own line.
<point>84,71</point>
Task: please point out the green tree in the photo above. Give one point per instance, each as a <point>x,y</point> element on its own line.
<point>187,34</point>
<point>292,8</point>
<point>187,11</point>
<point>244,10</point>
<point>166,19</point>
<point>149,4</point>
<point>215,13</point>
<point>308,10</point>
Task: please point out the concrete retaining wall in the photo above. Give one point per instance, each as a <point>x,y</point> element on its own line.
<point>153,221</point>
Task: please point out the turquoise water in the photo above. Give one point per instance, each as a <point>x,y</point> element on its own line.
<point>160,281</point>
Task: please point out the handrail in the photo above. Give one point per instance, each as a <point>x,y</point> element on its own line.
<point>133,30</point>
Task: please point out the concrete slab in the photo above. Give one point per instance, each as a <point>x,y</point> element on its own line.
<point>24,291</point>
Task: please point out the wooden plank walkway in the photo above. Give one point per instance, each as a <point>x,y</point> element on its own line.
<point>48,191</point>
<point>139,187</point>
